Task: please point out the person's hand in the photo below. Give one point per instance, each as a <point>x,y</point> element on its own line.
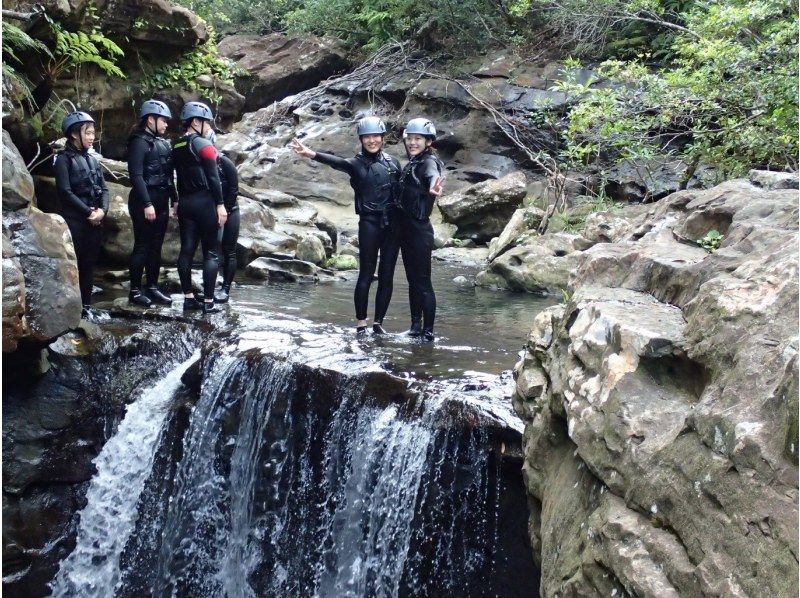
<point>222,215</point>
<point>96,217</point>
<point>150,213</point>
<point>175,210</point>
<point>437,187</point>
<point>298,148</point>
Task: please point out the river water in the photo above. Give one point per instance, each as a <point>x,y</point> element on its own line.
<point>297,459</point>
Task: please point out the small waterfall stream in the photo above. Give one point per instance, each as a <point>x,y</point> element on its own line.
<point>92,569</point>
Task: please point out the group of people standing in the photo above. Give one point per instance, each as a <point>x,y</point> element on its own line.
<point>204,202</point>
<point>200,185</point>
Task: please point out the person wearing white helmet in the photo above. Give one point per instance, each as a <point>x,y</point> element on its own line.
<point>420,183</point>
<point>152,188</point>
<point>373,175</point>
<point>83,197</point>
<point>200,208</point>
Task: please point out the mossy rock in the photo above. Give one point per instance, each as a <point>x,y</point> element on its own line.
<point>342,262</point>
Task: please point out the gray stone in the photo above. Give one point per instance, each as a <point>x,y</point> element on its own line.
<point>542,265</point>
<point>655,468</point>
<point>15,324</point>
<point>279,65</point>
<point>42,245</point>
<point>482,211</point>
<point>522,221</point>
<point>774,180</point>
<point>311,249</point>
<point>18,189</point>
<point>442,234</point>
<point>282,270</point>
<point>465,256</point>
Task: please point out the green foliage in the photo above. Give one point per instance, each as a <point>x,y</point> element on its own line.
<point>711,241</point>
<point>201,61</point>
<point>729,99</point>
<point>16,41</point>
<point>73,49</point>
<point>368,24</point>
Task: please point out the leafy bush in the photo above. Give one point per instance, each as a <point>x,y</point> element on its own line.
<point>203,60</point>
<point>729,99</point>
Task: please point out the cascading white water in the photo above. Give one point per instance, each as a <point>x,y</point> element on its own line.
<point>370,531</point>
<point>92,569</point>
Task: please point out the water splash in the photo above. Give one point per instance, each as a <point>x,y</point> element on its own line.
<point>92,569</point>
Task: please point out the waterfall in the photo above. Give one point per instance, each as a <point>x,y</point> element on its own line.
<point>92,569</point>
<point>290,480</point>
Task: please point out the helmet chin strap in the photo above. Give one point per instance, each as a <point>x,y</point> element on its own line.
<point>200,132</point>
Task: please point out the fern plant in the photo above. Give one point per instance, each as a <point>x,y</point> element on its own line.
<point>16,40</point>
<point>75,48</point>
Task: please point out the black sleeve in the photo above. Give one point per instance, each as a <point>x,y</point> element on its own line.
<point>64,188</point>
<point>105,201</point>
<point>231,190</point>
<point>137,149</point>
<point>429,172</point>
<point>208,161</point>
<point>337,163</point>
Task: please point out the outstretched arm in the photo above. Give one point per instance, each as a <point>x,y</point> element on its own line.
<point>334,162</point>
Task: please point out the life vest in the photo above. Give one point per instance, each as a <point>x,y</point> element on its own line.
<point>413,194</point>
<point>186,158</point>
<point>157,169</point>
<point>85,176</point>
<point>373,185</point>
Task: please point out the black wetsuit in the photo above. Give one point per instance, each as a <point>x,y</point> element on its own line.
<point>150,169</point>
<point>372,178</point>
<point>415,233</point>
<point>81,188</point>
<point>199,193</point>
<point>229,177</point>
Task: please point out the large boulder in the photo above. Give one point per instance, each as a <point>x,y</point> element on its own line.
<point>43,252</point>
<point>661,441</point>
<point>542,265</point>
<point>483,210</point>
<point>18,191</point>
<point>146,23</point>
<point>279,65</point>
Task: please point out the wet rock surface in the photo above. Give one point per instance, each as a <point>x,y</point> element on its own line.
<point>18,189</point>
<point>661,405</point>
<point>42,248</point>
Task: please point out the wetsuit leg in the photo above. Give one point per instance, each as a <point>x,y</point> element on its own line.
<point>141,242</point>
<point>417,247</point>
<point>230,236</point>
<point>209,241</point>
<point>389,251</point>
<point>370,238</point>
<point>159,230</point>
<point>86,239</point>
<point>190,237</point>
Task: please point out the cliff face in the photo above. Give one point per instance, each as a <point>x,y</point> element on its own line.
<point>661,405</point>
